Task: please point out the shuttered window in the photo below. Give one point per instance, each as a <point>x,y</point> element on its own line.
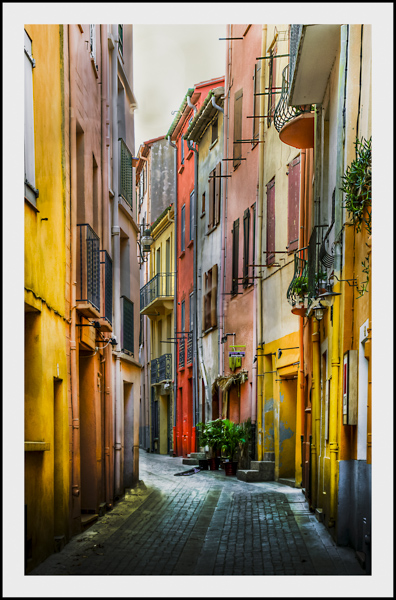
<point>246,240</point>
<point>215,130</point>
<point>183,228</point>
<point>235,256</point>
<point>254,234</point>
<point>256,100</point>
<point>293,205</point>
<point>182,150</point>
<point>209,316</point>
<point>237,154</point>
<point>30,178</point>
<point>271,222</point>
<point>272,97</point>
<point>214,196</point>
<point>192,215</point>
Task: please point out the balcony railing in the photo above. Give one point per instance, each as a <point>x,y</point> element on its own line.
<point>107,279</point>
<point>125,188</point>
<point>182,352</point>
<point>189,347</point>
<point>283,112</point>
<point>127,326</point>
<point>161,368</point>
<point>298,287</point>
<point>160,286</point>
<point>88,268</point>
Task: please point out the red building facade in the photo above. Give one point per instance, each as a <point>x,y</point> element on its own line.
<point>184,441</point>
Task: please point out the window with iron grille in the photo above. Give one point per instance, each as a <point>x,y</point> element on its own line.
<point>183,228</point>
<point>272,86</point>
<point>209,316</point>
<point>271,222</point>
<point>127,326</point>
<point>88,271</point>
<point>121,39</point>
<point>30,173</point>
<point>107,287</point>
<point>125,173</point>
<point>237,153</point>
<point>235,257</point>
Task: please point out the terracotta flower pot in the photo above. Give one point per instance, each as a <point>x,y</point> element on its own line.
<point>214,463</point>
<point>230,468</point>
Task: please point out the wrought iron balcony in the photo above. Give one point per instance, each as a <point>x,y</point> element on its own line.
<point>156,297</point>
<point>298,287</point>
<point>161,369</point>
<point>88,271</point>
<point>190,348</point>
<point>107,287</point>
<point>127,326</point>
<point>301,134</point>
<point>182,353</point>
<point>125,184</point>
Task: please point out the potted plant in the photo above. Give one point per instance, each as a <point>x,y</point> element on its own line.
<point>234,434</point>
<point>212,436</point>
<point>300,287</point>
<point>320,281</point>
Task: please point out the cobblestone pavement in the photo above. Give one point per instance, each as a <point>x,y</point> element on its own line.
<point>203,524</point>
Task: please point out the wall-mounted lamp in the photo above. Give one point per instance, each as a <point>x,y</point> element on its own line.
<point>328,294</point>
<point>319,311</point>
<point>145,243</point>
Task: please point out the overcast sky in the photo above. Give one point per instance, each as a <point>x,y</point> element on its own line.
<point>169,59</point>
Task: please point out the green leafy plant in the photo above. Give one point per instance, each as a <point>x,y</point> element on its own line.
<point>366,270</point>
<point>356,184</point>
<point>211,434</point>
<point>300,286</point>
<point>234,435</point>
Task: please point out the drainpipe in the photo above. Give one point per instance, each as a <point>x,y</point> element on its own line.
<point>191,105</point>
<point>216,105</point>
<point>195,304</point>
<point>75,413</point>
<point>315,410</point>
<point>259,381</point>
<point>335,352</point>
<point>115,232</point>
<point>175,310</point>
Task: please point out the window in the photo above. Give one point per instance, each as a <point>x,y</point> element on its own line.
<point>214,196</point>
<point>235,257</point>
<point>127,329</point>
<point>182,150</point>
<point>271,222</point>
<point>183,228</point>
<point>190,306</point>
<point>209,315</point>
<point>30,178</point>
<point>246,244</point>
<point>192,214</point>
<point>256,100</point>
<point>121,39</point>
<point>203,204</point>
<point>293,205</point>
<point>92,41</point>
<point>183,315</point>
<point>272,86</point>
<point>237,154</point>
<point>215,130</point>
<point>254,234</point>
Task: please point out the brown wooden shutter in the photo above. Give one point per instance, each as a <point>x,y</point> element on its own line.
<point>213,298</point>
<point>293,205</point>
<point>237,154</point>
<point>246,231</point>
<point>235,256</point>
<point>256,99</point>
<point>271,222</point>
<point>217,194</point>
<point>205,285</point>
<point>212,180</point>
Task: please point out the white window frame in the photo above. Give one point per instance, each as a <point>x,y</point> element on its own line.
<point>92,41</point>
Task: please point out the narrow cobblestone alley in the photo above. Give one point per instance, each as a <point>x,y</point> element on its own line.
<point>203,524</point>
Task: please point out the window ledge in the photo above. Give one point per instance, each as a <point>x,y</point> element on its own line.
<point>32,205</point>
<point>95,67</point>
<point>37,446</point>
<point>189,155</point>
<point>213,144</point>
<point>181,169</point>
<point>190,244</point>
<point>181,369</point>
<point>182,253</point>
<point>212,229</point>
<point>209,330</point>
<point>202,214</point>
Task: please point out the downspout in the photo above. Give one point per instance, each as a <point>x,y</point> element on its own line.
<point>191,105</point>
<point>216,105</point>
<point>195,304</point>
<point>335,350</point>
<point>259,381</point>
<point>175,310</point>
<point>75,479</point>
<point>115,232</point>
<point>315,410</point>
<point>107,387</point>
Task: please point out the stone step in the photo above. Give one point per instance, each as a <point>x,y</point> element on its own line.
<point>190,461</point>
<point>198,455</point>
<point>254,475</point>
<point>290,481</point>
<point>264,466</point>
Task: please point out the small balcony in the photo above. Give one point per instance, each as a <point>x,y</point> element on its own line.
<point>161,369</point>
<point>88,272</point>
<point>156,297</point>
<point>125,171</point>
<point>295,124</point>
<point>182,353</point>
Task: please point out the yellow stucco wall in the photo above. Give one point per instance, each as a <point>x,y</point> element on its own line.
<point>46,412</point>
